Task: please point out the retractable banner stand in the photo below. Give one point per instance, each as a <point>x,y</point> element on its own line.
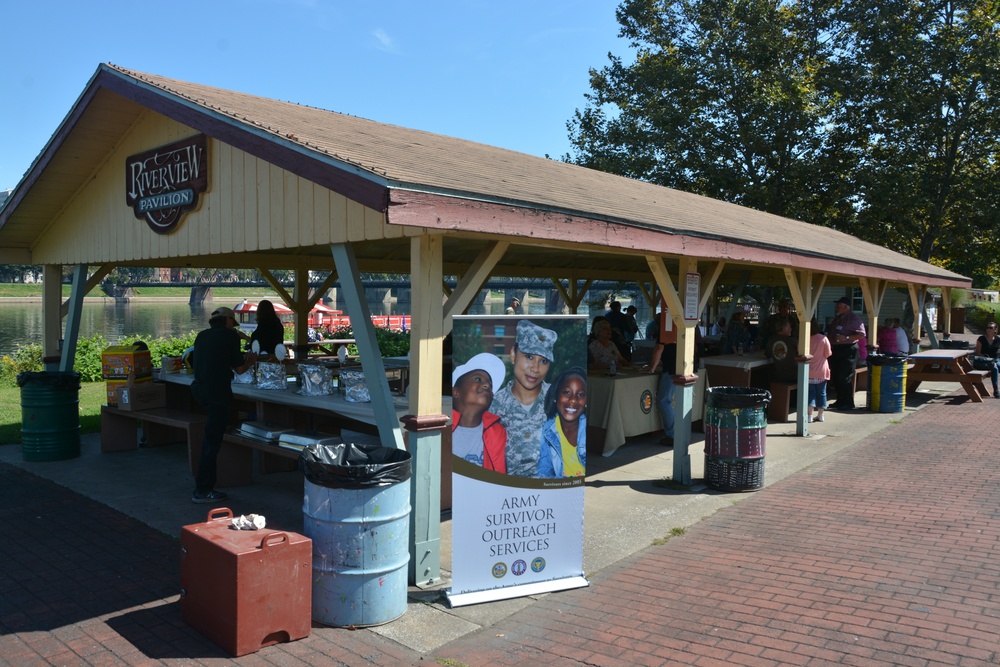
<point>519,388</point>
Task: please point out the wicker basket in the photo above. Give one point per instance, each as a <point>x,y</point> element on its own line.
<point>745,474</point>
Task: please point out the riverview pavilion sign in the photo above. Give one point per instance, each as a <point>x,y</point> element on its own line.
<point>163,184</point>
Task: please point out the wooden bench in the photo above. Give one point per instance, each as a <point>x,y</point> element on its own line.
<point>783,392</point>
<point>861,379</point>
<point>119,428</point>
<point>781,401</point>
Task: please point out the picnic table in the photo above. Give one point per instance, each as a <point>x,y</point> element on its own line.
<point>947,366</point>
<point>737,370</point>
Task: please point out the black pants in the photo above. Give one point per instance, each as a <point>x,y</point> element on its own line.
<point>216,406</point>
<point>842,365</point>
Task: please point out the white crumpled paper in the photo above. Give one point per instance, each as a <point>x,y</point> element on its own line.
<point>248,522</point>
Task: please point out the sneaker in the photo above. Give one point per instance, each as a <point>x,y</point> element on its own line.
<point>206,497</point>
<point>667,441</point>
<point>996,394</point>
<point>820,418</point>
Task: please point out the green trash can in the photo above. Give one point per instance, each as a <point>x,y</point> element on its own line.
<point>735,437</point>
<point>50,415</point>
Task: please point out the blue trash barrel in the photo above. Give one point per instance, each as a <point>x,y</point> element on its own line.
<point>886,382</point>
<point>735,437</point>
<point>357,513</point>
<point>50,415</point>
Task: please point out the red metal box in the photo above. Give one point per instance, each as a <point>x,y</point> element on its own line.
<point>245,589</point>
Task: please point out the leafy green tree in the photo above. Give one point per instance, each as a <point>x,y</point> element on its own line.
<point>919,128</point>
<point>879,118</point>
<point>723,99</point>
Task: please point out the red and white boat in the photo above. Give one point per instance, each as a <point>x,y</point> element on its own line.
<point>320,317</point>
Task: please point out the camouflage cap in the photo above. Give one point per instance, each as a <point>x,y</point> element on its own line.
<point>534,339</point>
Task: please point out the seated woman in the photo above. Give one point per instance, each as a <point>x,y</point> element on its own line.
<point>888,341</point>
<point>988,345</point>
<point>602,350</point>
<point>737,337</point>
<point>270,332</point>
<point>564,435</point>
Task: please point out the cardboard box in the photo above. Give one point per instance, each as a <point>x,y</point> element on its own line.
<point>112,387</point>
<point>118,361</point>
<point>141,395</point>
<point>245,589</point>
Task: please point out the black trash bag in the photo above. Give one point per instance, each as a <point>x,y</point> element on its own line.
<point>886,359</point>
<point>353,466</point>
<point>733,398</point>
<point>53,380</point>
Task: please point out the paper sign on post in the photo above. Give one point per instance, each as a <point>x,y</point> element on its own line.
<point>692,292</point>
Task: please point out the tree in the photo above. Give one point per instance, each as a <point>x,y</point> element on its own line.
<point>919,128</point>
<point>723,99</point>
<point>877,118</point>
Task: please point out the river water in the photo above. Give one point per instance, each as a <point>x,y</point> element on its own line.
<point>21,321</point>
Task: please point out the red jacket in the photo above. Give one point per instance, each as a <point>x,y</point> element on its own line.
<point>494,441</point>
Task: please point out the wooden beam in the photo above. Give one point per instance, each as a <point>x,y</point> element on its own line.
<point>472,281</point>
<point>92,282</point>
<point>574,297</point>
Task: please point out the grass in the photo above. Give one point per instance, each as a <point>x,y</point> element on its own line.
<point>674,532</point>
<point>92,395</point>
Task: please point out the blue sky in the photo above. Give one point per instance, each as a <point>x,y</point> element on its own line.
<point>508,73</point>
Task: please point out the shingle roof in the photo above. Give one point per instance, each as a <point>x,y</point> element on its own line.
<point>395,158</point>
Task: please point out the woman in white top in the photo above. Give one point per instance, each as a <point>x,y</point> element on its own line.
<point>602,350</point>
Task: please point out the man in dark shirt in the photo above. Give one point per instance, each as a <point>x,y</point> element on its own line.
<point>844,331</point>
<point>216,355</point>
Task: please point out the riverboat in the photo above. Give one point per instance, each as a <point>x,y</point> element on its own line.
<point>321,317</point>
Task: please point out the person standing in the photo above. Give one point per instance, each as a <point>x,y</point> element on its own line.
<point>632,330</point>
<point>667,354</point>
<point>819,371</point>
<point>521,403</point>
<point>513,307</point>
<point>845,331</point>
<point>217,356</point>
<point>775,321</point>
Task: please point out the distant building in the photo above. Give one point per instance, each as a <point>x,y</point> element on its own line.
<point>991,296</point>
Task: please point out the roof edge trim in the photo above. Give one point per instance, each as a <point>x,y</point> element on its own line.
<point>349,180</point>
<point>409,207</point>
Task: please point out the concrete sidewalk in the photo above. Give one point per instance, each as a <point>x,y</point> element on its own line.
<point>844,562</point>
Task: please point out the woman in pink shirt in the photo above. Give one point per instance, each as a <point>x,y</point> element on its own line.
<point>819,371</point>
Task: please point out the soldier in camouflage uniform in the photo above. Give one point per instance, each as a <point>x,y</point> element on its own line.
<point>521,403</point>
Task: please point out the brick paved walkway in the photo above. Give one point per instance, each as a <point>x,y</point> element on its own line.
<point>885,554</point>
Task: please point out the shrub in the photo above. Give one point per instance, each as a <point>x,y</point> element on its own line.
<point>88,356</point>
<point>26,358</point>
<point>390,343</point>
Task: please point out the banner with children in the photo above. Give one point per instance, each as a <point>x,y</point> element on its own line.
<point>519,455</point>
